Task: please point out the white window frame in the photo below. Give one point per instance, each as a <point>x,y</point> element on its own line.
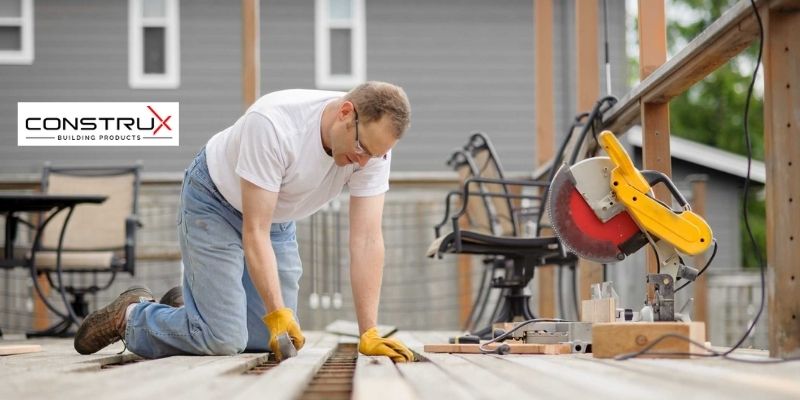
<point>25,21</point>
<point>171,78</point>
<point>357,26</point>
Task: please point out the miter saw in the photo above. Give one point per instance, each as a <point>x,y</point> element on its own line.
<point>603,209</point>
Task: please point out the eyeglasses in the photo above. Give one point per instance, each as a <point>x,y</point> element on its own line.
<point>359,148</point>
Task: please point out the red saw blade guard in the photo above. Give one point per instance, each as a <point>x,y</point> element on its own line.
<point>581,230</point>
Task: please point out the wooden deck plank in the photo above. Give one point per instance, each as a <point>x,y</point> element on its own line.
<point>290,378</point>
<point>175,373</point>
<point>468,376</point>
<point>543,382</point>
<point>483,383</point>
<point>57,355</point>
<point>229,383</point>
<point>378,378</point>
<point>157,374</point>
<point>432,383</point>
<point>599,382</point>
<point>731,380</point>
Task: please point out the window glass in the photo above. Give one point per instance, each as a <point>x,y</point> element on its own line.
<point>341,52</point>
<point>154,8</point>
<point>154,51</point>
<point>10,38</point>
<point>340,9</point>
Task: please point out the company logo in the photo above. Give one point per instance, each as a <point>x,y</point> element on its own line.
<point>97,124</point>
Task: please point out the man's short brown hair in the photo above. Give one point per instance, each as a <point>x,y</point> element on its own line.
<point>374,99</point>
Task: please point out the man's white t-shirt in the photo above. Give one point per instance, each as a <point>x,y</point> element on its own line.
<point>277,146</point>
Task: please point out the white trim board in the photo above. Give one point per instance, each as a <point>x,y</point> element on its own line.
<point>25,21</point>
<point>322,48</point>
<point>137,78</point>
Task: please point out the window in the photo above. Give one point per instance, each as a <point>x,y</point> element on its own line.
<point>153,44</point>
<point>16,31</point>
<point>340,61</point>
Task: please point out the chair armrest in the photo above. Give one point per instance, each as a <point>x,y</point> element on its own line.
<point>447,200</point>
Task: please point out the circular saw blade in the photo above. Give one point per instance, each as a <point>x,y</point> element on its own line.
<point>577,226</point>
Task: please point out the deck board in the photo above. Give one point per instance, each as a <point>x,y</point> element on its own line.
<point>378,378</point>
<point>59,372</point>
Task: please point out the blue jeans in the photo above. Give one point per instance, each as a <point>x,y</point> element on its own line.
<point>223,311</point>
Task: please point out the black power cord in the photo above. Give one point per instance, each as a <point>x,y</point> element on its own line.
<point>747,181</point>
<point>748,332</point>
<point>710,259</point>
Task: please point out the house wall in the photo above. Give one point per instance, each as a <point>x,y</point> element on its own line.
<point>81,54</point>
<point>466,65</point>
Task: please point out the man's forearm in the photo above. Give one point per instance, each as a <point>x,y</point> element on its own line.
<point>263,269</point>
<point>366,273</point>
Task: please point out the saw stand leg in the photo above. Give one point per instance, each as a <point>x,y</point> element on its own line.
<point>664,301</point>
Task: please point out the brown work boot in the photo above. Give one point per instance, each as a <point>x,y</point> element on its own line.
<point>173,297</point>
<point>107,325</point>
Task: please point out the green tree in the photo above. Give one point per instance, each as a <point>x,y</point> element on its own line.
<point>712,111</point>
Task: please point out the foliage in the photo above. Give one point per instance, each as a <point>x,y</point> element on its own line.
<point>712,111</point>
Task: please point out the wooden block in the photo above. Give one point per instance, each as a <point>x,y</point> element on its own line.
<point>599,310</point>
<point>516,348</point>
<point>19,349</point>
<point>617,338</point>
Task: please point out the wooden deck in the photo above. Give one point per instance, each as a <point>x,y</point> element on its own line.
<point>59,372</point>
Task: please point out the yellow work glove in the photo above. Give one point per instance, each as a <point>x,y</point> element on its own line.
<point>371,344</point>
<point>282,321</point>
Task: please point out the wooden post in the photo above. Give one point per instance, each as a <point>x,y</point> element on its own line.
<point>251,56</point>
<point>782,145</point>
<point>41,317</point>
<point>545,128</point>
<point>700,312</point>
<point>464,287</point>
<point>464,280</point>
<point>654,116</point>
<point>588,87</point>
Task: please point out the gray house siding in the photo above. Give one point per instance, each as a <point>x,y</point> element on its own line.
<point>81,54</point>
<point>287,45</point>
<point>466,65</point>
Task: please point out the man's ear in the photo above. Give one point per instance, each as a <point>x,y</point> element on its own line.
<point>345,109</point>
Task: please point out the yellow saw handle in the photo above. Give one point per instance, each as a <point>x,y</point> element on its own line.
<point>685,230</point>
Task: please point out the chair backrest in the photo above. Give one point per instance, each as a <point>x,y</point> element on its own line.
<point>479,212</point>
<point>575,148</point>
<point>92,227</point>
<point>488,164</point>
